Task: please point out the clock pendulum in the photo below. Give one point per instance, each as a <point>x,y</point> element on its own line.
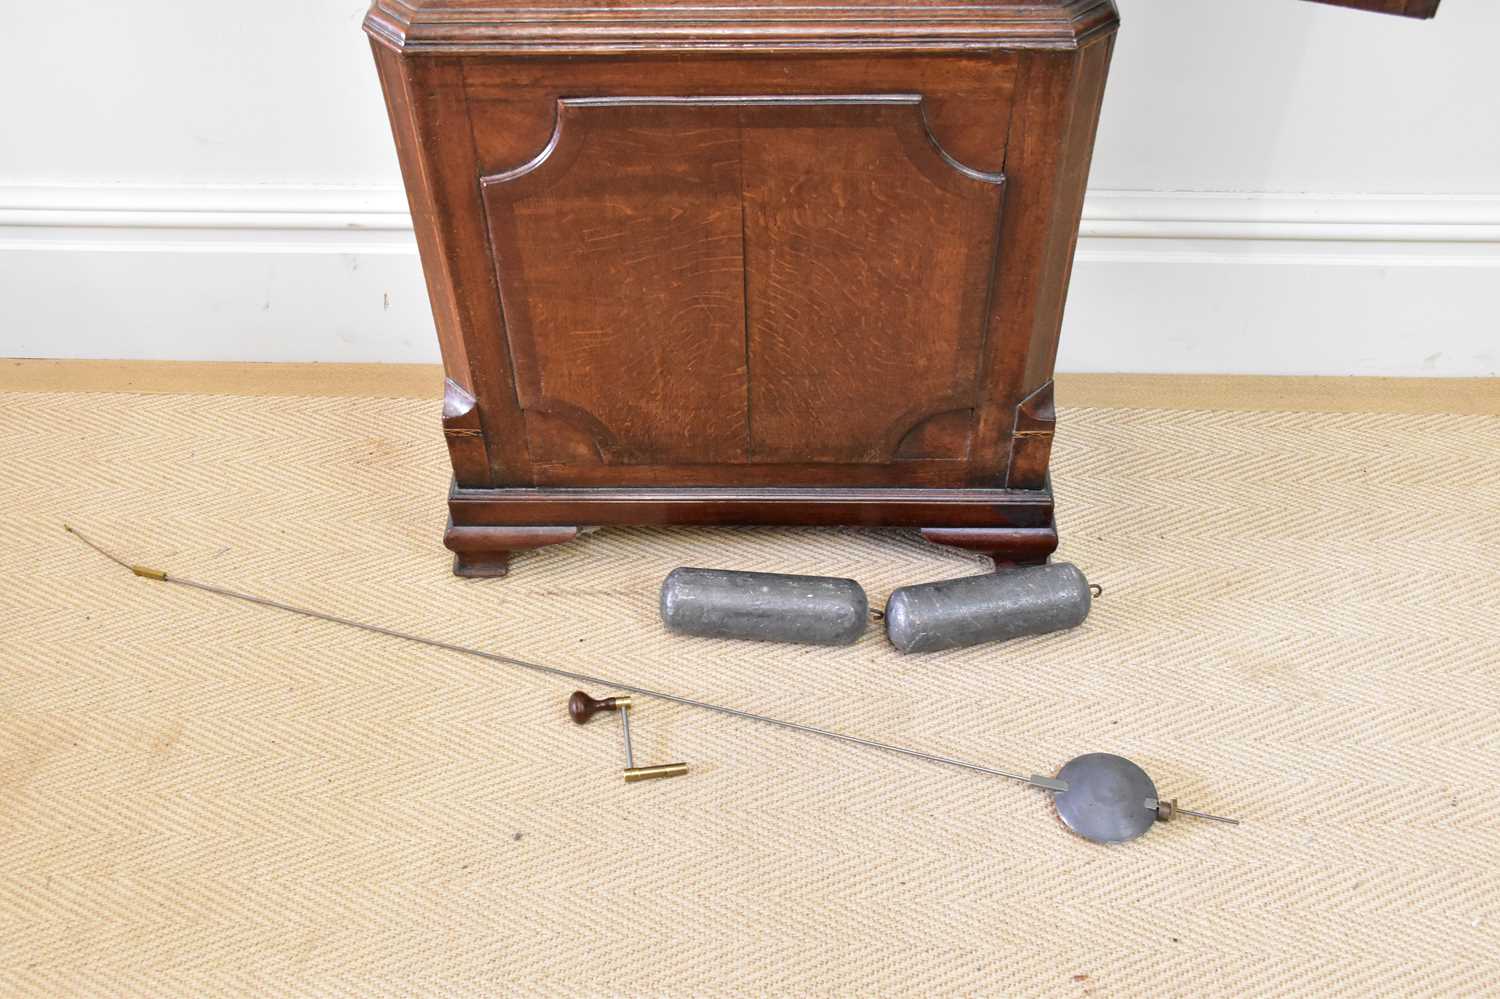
<point>1100,797</point>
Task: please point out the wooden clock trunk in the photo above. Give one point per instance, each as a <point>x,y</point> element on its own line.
<point>749,263</point>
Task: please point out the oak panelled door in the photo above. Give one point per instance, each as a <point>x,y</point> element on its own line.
<point>723,254</point>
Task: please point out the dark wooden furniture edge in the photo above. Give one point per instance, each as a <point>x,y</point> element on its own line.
<point>414,28</point>
<point>1405,8</point>
<point>1012,526</point>
<point>712,506</point>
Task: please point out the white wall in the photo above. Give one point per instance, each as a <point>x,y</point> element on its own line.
<point>1279,187</point>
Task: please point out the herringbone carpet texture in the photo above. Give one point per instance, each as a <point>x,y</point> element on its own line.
<point>1300,627</point>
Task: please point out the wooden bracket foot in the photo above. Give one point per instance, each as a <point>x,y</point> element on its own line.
<point>484,552</point>
<point>1008,546</point>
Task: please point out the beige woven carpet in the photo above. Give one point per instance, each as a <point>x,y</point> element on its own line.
<point>1300,627</point>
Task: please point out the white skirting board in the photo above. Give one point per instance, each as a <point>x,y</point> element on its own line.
<point>1164,282</point>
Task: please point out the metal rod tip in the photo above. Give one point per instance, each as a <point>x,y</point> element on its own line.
<point>1211,818</point>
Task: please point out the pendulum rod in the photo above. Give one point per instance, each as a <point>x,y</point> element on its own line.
<point>586,678</point>
<point>1035,780</point>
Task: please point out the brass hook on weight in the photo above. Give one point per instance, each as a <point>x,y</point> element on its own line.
<point>582,707</point>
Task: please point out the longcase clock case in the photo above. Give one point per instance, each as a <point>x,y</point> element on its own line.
<point>763,263</point>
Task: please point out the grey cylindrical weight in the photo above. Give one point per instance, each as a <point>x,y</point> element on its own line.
<point>957,613</point>
<point>765,606</point>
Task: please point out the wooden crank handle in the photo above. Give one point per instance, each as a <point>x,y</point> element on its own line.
<point>582,707</point>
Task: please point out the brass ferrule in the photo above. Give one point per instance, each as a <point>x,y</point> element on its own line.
<point>633,774</point>
<point>146,572</point>
<point>622,702</point>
